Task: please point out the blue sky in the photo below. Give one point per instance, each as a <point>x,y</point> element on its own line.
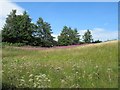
<point>100,17</point>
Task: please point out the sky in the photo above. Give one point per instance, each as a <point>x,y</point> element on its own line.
<point>100,17</point>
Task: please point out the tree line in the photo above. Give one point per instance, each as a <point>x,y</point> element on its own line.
<point>20,29</point>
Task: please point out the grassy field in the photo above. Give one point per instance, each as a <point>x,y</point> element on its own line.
<point>89,66</point>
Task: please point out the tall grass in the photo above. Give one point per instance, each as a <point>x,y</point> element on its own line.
<point>90,66</point>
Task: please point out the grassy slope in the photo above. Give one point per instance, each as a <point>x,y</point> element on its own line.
<point>83,66</point>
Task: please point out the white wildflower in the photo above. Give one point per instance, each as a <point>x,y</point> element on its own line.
<point>30,80</point>
<point>48,80</point>
<point>76,72</point>
<point>30,75</point>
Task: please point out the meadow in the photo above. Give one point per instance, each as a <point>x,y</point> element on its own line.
<point>89,66</point>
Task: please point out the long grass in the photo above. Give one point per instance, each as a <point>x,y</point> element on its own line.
<point>90,66</point>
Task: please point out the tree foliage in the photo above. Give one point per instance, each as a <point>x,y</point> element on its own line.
<point>87,37</point>
<point>20,29</point>
<point>68,36</point>
<point>9,33</point>
<point>17,28</point>
<point>97,41</point>
<point>43,33</point>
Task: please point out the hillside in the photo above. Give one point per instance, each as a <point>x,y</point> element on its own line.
<point>89,66</point>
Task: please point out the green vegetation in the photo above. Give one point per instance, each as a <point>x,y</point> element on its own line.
<point>12,44</point>
<point>43,34</point>
<point>89,66</point>
<point>68,37</point>
<point>20,29</point>
<point>87,37</point>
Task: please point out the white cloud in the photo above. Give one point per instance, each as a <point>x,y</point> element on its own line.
<point>119,35</point>
<point>98,34</point>
<point>55,35</point>
<point>102,34</point>
<point>6,7</point>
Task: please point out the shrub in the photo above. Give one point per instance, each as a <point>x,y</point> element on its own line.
<point>12,44</point>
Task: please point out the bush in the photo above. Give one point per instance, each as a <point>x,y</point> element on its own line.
<point>82,43</point>
<point>97,41</point>
<point>12,44</point>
